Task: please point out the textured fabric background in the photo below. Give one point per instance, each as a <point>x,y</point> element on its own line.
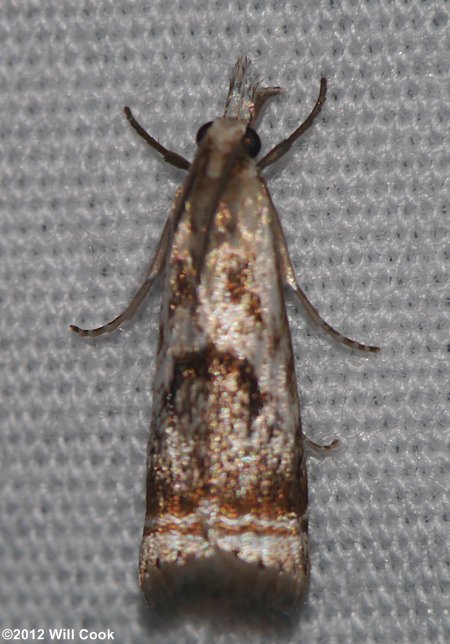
<point>364,202</point>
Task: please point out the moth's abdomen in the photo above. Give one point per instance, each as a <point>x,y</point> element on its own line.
<point>198,569</point>
<point>243,559</point>
<point>227,489</point>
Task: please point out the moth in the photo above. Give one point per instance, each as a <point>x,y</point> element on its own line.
<point>227,489</point>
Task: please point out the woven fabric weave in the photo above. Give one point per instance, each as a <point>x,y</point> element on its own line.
<point>364,203</point>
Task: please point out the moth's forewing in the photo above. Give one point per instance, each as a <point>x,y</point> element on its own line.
<point>227,487</point>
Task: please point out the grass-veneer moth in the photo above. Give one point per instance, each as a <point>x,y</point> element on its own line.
<point>226,483</point>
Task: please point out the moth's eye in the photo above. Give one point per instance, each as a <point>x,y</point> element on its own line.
<point>202,131</point>
<point>251,142</point>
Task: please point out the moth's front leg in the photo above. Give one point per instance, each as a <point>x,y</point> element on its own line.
<point>173,158</point>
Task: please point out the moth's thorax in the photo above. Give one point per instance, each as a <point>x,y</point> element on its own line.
<point>223,137</point>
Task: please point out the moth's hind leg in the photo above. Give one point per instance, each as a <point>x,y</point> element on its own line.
<point>315,316</point>
<point>322,450</point>
<point>155,269</point>
<point>127,314</point>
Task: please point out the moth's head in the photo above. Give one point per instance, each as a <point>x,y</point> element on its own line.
<point>224,134</point>
<point>245,100</point>
<point>246,96</point>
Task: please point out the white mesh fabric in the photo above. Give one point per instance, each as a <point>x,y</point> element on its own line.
<point>364,204</point>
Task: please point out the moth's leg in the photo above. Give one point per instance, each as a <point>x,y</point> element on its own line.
<point>322,450</point>
<point>290,278</point>
<point>314,315</point>
<point>170,157</point>
<point>155,269</point>
<point>279,150</point>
